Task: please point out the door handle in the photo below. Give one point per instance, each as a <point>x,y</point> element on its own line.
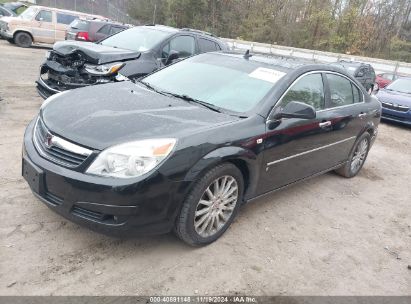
<point>325,124</point>
<point>362,115</point>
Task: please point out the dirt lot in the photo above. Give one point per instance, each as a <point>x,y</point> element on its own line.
<point>326,236</point>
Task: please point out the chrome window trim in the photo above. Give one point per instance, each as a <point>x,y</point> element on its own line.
<point>317,72</point>
<point>60,143</point>
<point>309,151</point>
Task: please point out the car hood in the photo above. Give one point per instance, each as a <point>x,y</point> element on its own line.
<point>394,97</point>
<point>95,53</point>
<point>105,115</point>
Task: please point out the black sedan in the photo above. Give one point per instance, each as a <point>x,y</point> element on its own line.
<point>184,147</point>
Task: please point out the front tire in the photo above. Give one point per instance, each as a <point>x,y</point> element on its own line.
<point>23,40</point>
<point>211,205</point>
<point>357,157</point>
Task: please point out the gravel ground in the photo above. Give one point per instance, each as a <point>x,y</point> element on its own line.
<point>325,236</point>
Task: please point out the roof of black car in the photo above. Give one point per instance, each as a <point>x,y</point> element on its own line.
<point>285,62</point>
<point>163,28</point>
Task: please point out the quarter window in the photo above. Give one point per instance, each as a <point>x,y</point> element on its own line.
<point>356,94</point>
<point>65,18</point>
<point>185,45</point>
<point>340,90</point>
<point>44,16</point>
<point>309,90</point>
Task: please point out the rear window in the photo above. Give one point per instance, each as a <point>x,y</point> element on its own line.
<point>65,18</point>
<point>81,25</point>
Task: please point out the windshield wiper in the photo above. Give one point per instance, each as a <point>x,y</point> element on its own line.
<point>191,99</point>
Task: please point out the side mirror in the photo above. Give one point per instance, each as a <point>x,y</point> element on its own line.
<point>174,55</point>
<point>296,109</point>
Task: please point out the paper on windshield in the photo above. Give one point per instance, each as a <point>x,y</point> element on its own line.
<point>265,74</point>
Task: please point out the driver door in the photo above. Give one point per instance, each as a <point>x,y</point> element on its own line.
<point>296,148</point>
<point>44,29</point>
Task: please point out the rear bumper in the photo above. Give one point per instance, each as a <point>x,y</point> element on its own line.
<point>397,116</point>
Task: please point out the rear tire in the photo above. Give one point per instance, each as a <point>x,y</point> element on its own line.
<point>211,206</point>
<point>357,157</point>
<point>23,40</point>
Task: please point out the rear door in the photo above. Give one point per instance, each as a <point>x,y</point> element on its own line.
<point>44,27</point>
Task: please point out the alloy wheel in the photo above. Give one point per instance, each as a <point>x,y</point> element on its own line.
<point>359,156</point>
<point>216,206</point>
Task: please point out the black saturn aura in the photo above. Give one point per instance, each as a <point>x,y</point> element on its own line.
<point>182,149</point>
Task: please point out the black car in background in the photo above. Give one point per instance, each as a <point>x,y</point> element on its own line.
<point>130,54</point>
<point>363,72</point>
<point>184,147</point>
<point>93,30</point>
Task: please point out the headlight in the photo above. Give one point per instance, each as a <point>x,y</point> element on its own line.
<point>51,98</point>
<point>104,70</point>
<point>132,159</point>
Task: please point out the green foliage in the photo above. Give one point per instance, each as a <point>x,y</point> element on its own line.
<point>358,27</point>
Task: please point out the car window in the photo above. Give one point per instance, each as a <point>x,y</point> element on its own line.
<point>185,45</point>
<point>357,95</point>
<point>104,30</point>
<point>44,16</point>
<point>65,18</point>
<point>79,24</point>
<point>208,45</point>
<point>309,90</point>
<point>340,90</point>
<point>115,30</point>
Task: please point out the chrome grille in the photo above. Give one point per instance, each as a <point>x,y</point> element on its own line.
<point>57,149</point>
<point>395,107</point>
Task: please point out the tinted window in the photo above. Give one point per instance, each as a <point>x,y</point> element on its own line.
<point>65,18</point>
<point>115,30</point>
<point>185,45</point>
<point>229,83</point>
<point>104,30</point>
<point>309,90</point>
<point>138,39</point>
<point>341,91</point>
<point>44,16</point>
<point>207,45</point>
<point>81,25</point>
<point>356,94</point>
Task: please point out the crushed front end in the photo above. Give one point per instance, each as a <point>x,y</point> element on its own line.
<point>75,70</point>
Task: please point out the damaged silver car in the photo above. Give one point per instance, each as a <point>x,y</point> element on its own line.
<point>130,54</point>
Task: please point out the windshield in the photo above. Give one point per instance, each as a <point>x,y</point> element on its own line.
<point>139,39</point>
<point>226,82</point>
<point>401,85</point>
<point>29,13</point>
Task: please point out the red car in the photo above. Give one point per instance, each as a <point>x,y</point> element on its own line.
<point>385,79</point>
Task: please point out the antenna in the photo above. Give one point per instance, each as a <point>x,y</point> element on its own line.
<point>247,55</point>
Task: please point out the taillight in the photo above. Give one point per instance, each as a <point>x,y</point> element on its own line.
<point>82,36</point>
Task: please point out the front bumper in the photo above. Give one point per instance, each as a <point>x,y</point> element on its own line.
<point>397,116</point>
<point>6,35</point>
<point>112,206</point>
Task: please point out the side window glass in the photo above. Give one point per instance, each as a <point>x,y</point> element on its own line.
<point>104,30</point>
<point>166,51</point>
<point>341,91</point>
<point>65,19</point>
<point>207,45</point>
<point>44,16</point>
<point>356,94</point>
<point>185,45</point>
<point>115,30</point>
<point>309,90</point>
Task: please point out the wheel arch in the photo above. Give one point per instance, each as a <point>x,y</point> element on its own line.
<point>22,31</point>
<point>245,160</point>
